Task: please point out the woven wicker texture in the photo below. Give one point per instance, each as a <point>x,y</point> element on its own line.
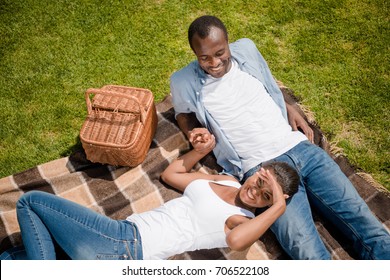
<point>120,125</point>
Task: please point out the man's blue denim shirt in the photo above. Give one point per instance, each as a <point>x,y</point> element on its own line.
<point>186,87</point>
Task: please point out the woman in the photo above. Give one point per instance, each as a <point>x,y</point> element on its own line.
<point>214,211</point>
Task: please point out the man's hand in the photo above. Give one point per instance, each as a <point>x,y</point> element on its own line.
<point>202,140</point>
<point>298,122</point>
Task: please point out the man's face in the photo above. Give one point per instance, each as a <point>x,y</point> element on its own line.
<point>213,52</point>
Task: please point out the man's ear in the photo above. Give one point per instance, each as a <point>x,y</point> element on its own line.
<point>286,196</point>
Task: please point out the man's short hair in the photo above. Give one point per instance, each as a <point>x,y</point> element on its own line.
<point>202,26</point>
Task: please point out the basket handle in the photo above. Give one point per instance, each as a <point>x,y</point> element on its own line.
<point>111,93</point>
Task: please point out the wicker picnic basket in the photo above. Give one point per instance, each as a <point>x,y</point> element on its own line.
<point>120,125</point>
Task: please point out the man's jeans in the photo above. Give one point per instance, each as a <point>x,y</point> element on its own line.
<point>333,196</point>
<point>47,220</point>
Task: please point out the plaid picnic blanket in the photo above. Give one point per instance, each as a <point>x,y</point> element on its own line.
<point>120,191</point>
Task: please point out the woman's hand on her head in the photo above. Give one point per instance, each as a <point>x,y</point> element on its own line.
<point>202,140</point>
<point>246,233</point>
<point>277,192</point>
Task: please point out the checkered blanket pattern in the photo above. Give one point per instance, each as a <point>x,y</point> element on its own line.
<point>120,191</point>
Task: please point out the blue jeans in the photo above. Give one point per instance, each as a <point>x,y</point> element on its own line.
<point>333,196</point>
<point>47,221</point>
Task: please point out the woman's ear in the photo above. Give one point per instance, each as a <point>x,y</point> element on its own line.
<point>286,196</point>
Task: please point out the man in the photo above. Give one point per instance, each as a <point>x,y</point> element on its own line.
<point>231,92</point>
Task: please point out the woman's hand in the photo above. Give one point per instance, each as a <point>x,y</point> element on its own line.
<point>202,140</point>
<point>277,191</point>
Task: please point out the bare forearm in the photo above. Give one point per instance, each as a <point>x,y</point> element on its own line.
<point>187,122</point>
<point>185,163</point>
<point>178,173</point>
<point>197,135</point>
<point>245,234</point>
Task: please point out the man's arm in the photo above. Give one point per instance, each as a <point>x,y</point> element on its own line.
<point>197,135</point>
<point>187,122</point>
<point>298,122</point>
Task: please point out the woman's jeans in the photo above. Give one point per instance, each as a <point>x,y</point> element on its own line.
<point>47,221</point>
<point>333,196</point>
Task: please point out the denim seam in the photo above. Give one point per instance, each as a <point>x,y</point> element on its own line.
<point>135,241</point>
<point>37,232</point>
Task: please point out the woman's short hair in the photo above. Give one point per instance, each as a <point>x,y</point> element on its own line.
<point>202,26</point>
<point>286,176</point>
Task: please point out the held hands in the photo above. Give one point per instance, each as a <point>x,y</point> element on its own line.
<point>202,140</point>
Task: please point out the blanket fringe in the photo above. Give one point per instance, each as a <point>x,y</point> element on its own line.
<point>368,178</point>
<point>308,113</point>
<point>335,149</point>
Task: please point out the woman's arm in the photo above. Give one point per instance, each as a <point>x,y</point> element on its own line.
<point>178,174</point>
<point>249,230</point>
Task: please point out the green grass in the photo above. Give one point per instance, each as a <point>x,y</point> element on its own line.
<point>333,54</point>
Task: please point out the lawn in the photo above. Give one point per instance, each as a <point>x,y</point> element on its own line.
<point>333,54</point>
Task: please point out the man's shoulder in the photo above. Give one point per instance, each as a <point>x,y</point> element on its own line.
<point>243,43</point>
<point>184,72</point>
<point>244,50</point>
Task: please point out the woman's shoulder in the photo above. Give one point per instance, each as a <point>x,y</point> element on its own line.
<point>218,179</point>
<point>230,182</point>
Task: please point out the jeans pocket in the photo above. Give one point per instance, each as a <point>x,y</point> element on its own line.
<point>117,250</point>
<point>101,256</point>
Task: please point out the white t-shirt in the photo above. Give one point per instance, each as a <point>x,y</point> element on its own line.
<point>249,117</point>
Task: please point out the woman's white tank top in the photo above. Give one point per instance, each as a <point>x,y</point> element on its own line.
<point>191,222</point>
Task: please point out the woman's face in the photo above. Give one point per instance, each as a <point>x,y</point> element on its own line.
<point>213,52</point>
<point>255,192</point>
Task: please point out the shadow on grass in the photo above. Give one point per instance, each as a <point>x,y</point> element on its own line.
<point>74,148</point>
